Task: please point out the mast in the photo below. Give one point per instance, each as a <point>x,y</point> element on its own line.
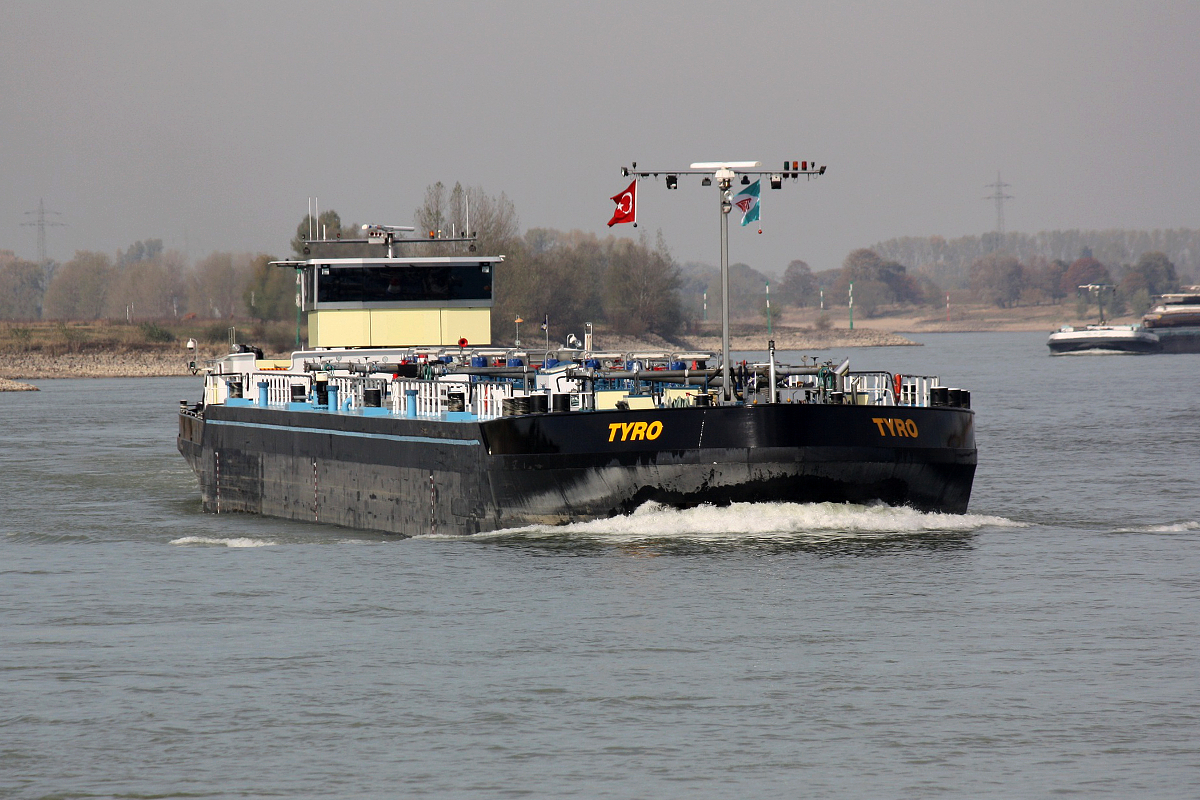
<point>723,173</point>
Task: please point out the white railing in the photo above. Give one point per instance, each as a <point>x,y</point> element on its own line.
<point>279,387</point>
<point>348,388</point>
<point>914,389</point>
<point>487,401</point>
<point>432,397</point>
<point>879,388</point>
<point>870,389</point>
<point>216,390</point>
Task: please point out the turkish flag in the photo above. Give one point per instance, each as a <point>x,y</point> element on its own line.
<point>626,206</point>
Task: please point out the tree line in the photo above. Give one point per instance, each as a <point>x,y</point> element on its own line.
<point>634,286</point>
<point>570,278</point>
<point>1003,280</point>
<point>949,261</point>
<point>144,282</point>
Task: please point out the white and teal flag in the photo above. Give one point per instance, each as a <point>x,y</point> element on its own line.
<point>747,201</point>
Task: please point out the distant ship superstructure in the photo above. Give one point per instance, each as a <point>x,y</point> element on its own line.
<point>1175,320</point>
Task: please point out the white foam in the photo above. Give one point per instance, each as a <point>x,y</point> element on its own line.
<point>235,542</point>
<point>1096,353</point>
<point>783,521</point>
<point>1169,527</point>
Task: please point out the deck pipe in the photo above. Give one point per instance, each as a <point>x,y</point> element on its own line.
<point>773,396</point>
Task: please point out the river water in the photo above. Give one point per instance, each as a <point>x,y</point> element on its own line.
<point>1046,643</point>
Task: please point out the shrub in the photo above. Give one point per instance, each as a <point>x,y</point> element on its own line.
<point>1116,305</point>
<point>152,332</point>
<point>215,334</point>
<point>1081,306</point>
<point>72,337</point>
<point>1140,302</point>
<point>277,338</point>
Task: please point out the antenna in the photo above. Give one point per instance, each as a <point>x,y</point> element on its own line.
<point>724,172</point>
<point>41,223</point>
<point>385,235</point>
<point>999,196</point>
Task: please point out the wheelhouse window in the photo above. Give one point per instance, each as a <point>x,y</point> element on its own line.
<point>335,285</point>
<point>391,283</point>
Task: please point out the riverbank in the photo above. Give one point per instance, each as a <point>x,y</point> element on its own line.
<point>107,350</point>
<point>156,362</point>
<point>749,338</point>
<point>40,365</point>
<point>974,318</point>
<point>167,361</point>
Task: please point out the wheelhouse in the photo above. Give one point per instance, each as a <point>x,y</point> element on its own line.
<point>396,302</point>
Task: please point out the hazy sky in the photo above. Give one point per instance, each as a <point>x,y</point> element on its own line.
<point>209,124</point>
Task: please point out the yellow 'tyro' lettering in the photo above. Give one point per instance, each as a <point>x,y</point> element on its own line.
<point>623,427</point>
<point>896,427</point>
<point>634,431</point>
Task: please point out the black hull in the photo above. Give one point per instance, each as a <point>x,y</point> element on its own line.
<point>411,476</point>
<point>1179,340</point>
<point>1106,346</point>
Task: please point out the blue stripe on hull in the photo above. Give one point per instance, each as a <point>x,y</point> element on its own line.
<point>387,436</point>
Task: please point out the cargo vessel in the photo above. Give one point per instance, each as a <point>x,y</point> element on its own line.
<point>392,420</point>
<point>1175,320</point>
<point>401,416</point>
<point>1102,338</point>
<point>1125,339</point>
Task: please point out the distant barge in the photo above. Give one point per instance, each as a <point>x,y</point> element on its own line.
<point>1171,326</point>
<point>1175,320</point>
<point>1103,338</point>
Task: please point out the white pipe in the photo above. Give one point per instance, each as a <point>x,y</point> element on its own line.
<point>773,395</point>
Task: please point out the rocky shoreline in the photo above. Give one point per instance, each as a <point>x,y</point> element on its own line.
<point>16,368</point>
<point>16,386</point>
<point>147,364</point>
<point>36,365</point>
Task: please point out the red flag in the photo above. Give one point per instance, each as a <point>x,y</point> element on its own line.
<point>626,206</point>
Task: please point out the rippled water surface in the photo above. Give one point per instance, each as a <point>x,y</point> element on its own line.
<point>1045,644</point>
